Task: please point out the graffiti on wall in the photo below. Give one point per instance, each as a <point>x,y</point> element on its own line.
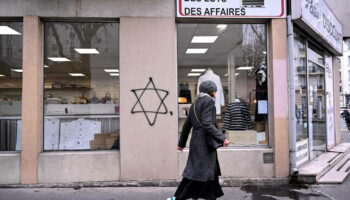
<point>151,109</point>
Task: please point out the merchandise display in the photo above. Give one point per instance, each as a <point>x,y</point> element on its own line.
<point>185,92</point>
<point>237,117</point>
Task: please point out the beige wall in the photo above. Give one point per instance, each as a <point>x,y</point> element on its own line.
<point>231,164</point>
<point>32,125</point>
<point>278,95</point>
<point>10,168</point>
<point>69,167</point>
<point>148,49</point>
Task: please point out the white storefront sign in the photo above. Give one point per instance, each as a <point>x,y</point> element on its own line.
<point>329,101</point>
<point>317,16</point>
<point>231,8</point>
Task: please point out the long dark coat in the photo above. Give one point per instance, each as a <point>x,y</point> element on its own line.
<point>202,161</point>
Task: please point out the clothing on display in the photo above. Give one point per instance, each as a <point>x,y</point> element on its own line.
<point>185,92</point>
<point>237,117</point>
<point>220,99</point>
<point>261,91</point>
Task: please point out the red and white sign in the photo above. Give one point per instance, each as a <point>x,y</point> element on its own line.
<point>231,8</point>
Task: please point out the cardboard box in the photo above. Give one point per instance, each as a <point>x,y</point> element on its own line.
<point>247,137</point>
<point>110,142</point>
<point>259,126</point>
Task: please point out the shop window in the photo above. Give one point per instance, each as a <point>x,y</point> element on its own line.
<point>10,85</point>
<point>81,86</point>
<point>235,56</point>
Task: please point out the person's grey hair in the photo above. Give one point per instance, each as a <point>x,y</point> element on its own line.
<point>207,87</point>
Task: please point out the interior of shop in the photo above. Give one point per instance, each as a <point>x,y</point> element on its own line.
<point>234,57</point>
<point>10,85</point>
<point>81,86</point>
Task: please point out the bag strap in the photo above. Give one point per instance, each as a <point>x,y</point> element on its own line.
<point>195,114</point>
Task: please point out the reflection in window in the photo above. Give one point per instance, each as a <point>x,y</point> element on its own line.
<point>81,86</point>
<point>234,56</point>
<point>10,85</point>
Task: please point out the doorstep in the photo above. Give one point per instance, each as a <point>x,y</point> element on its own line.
<point>329,162</point>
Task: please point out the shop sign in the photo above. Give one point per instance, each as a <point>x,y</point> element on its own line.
<point>316,15</point>
<point>302,154</point>
<point>231,8</point>
<point>329,101</point>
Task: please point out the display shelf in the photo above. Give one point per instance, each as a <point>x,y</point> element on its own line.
<point>68,89</point>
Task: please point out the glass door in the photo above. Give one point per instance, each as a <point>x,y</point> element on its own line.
<point>317,127</point>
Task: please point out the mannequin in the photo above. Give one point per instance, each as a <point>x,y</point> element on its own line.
<point>210,75</point>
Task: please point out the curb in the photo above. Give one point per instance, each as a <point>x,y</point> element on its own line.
<point>225,182</point>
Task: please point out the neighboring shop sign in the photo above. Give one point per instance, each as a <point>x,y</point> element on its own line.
<point>231,8</point>
<point>317,18</point>
<point>329,101</point>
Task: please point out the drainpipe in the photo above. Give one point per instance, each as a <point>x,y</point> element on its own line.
<point>292,119</point>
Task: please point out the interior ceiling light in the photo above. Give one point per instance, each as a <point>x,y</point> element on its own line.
<point>46,66</point>
<point>264,52</point>
<point>204,39</point>
<point>1,75</point>
<point>114,74</point>
<point>111,70</point>
<point>196,51</point>
<point>76,74</point>
<point>236,74</point>
<point>86,51</point>
<point>5,30</point>
<point>198,70</point>
<point>221,26</point>
<point>58,59</point>
<point>245,68</point>
<point>17,70</point>
<point>193,74</point>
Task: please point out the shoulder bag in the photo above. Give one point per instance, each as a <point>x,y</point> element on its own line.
<point>211,142</point>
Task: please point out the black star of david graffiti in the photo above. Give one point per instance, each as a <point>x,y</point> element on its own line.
<point>150,86</point>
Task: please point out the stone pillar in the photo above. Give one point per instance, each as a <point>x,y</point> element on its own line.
<point>148,49</point>
<point>278,95</point>
<point>336,94</point>
<point>32,95</point>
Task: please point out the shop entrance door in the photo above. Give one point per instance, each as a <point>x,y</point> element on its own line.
<point>317,126</point>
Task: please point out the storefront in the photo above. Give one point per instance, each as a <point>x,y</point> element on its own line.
<point>99,92</point>
<point>317,40</point>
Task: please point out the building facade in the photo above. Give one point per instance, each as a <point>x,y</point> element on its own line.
<point>98,91</point>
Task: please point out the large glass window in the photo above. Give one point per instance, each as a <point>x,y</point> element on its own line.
<point>81,89</point>
<point>10,85</point>
<point>234,56</point>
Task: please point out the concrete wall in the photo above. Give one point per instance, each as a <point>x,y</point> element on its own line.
<point>10,168</point>
<point>342,11</point>
<point>336,81</point>
<point>69,167</point>
<point>88,8</point>
<point>148,49</point>
<point>232,166</point>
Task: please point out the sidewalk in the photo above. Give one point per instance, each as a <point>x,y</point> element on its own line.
<point>157,193</point>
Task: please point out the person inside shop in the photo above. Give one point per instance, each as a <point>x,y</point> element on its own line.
<point>202,171</point>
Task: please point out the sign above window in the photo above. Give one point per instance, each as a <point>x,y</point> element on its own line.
<point>231,8</point>
<point>318,19</point>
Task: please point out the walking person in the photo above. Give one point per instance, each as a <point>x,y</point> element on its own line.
<point>202,171</point>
